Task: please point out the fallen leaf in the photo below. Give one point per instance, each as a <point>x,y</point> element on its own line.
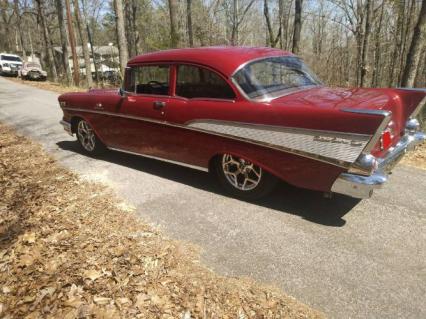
<point>92,274</point>
<point>29,238</point>
<point>101,300</point>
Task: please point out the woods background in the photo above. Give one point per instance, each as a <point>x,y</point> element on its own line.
<point>377,43</point>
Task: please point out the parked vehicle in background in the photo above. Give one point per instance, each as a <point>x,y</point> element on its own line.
<point>250,116</point>
<point>10,64</point>
<point>33,71</point>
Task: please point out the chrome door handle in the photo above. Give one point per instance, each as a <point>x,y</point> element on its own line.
<point>99,106</point>
<point>158,105</point>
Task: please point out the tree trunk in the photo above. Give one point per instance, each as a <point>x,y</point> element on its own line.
<point>71,35</point>
<point>234,33</point>
<point>365,42</point>
<point>47,41</point>
<point>377,49</point>
<point>131,13</point>
<point>64,42</point>
<point>89,36</point>
<point>297,26</point>
<point>414,53</point>
<point>189,22</point>
<point>81,26</point>
<point>5,38</point>
<point>174,34</point>
<point>19,27</point>
<point>121,35</point>
<point>398,43</point>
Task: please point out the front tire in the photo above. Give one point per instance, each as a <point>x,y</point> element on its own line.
<point>242,178</point>
<point>88,140</point>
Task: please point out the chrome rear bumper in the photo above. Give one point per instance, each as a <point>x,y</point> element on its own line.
<point>360,186</point>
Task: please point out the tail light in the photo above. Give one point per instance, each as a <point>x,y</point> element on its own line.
<point>387,136</point>
<point>386,140</point>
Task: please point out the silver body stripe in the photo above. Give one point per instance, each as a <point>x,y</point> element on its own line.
<point>340,146</point>
<point>335,148</point>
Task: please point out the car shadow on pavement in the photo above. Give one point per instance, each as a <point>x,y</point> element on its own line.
<point>310,205</point>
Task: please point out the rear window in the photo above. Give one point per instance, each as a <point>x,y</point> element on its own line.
<point>197,82</point>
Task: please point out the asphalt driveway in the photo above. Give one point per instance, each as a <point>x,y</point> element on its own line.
<point>348,258</point>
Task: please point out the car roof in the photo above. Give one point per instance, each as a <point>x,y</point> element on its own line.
<point>225,59</point>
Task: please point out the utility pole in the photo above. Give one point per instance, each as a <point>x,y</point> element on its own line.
<point>71,34</point>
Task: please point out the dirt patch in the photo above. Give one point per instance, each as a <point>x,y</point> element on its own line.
<point>70,249</point>
<point>416,158</point>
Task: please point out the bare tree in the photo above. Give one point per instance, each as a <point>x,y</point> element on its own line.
<point>19,28</point>
<point>365,42</point>
<point>273,40</point>
<point>5,39</point>
<point>297,26</point>
<point>189,22</point>
<point>237,19</point>
<point>81,26</point>
<point>47,41</point>
<point>174,33</point>
<point>64,42</point>
<point>415,51</point>
<point>71,35</point>
<point>121,35</point>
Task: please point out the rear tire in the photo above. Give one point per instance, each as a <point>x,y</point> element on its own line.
<point>88,140</point>
<point>243,179</point>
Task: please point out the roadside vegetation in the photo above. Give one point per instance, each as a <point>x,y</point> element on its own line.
<point>70,249</point>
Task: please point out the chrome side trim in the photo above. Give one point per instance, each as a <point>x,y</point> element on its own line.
<point>312,133</point>
<point>336,146</point>
<point>199,168</point>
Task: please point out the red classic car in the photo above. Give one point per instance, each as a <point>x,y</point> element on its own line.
<point>250,116</point>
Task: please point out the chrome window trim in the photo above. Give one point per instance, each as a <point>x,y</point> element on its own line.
<point>199,168</point>
<point>317,157</point>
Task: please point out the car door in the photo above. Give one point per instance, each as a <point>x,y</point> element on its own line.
<point>200,94</point>
<point>140,115</point>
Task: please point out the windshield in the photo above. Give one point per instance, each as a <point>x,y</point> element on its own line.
<point>274,77</point>
<point>11,58</point>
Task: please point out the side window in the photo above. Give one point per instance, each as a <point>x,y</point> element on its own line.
<point>196,82</point>
<point>150,79</point>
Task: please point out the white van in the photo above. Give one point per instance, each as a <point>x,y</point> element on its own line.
<point>10,64</point>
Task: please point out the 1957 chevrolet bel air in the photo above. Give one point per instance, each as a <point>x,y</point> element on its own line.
<point>250,116</point>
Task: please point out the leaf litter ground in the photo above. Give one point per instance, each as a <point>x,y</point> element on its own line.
<point>68,249</point>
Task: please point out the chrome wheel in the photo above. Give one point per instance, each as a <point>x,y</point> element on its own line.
<point>86,136</point>
<point>240,173</point>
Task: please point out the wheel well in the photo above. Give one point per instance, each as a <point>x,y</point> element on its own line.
<point>74,122</point>
<point>212,161</point>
